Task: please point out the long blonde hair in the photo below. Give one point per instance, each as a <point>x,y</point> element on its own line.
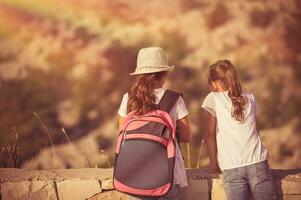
<point>225,72</point>
<point>141,97</point>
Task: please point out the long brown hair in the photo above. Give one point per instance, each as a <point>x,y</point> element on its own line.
<point>141,97</point>
<point>225,72</point>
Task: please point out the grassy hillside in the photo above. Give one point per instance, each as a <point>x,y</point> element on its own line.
<point>68,62</point>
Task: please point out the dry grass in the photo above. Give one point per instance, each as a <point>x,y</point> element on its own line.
<point>63,131</point>
<point>75,149</point>
<point>104,156</point>
<point>10,153</point>
<point>47,132</point>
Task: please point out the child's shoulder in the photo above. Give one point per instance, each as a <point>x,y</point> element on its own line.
<point>216,94</point>
<point>125,96</point>
<point>249,95</point>
<point>209,99</point>
<point>222,95</point>
<point>210,95</point>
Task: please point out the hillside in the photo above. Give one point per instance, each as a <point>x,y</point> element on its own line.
<point>68,60</point>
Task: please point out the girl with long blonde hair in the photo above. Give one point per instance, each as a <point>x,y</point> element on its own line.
<point>231,137</point>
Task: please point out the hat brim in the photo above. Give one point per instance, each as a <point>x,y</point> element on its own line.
<point>154,70</point>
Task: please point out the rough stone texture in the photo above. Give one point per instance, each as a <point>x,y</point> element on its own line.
<point>197,189</point>
<point>290,197</point>
<point>33,190</point>
<point>197,185</point>
<point>218,192</point>
<point>96,184</point>
<point>109,195</point>
<point>77,189</point>
<point>107,184</point>
<point>288,187</point>
<point>13,174</point>
<point>15,190</point>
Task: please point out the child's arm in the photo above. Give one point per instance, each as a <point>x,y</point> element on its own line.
<point>121,122</point>
<point>210,141</point>
<point>184,129</point>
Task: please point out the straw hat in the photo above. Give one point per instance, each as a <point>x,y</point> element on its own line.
<point>150,60</point>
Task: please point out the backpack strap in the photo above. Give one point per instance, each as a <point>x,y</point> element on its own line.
<point>166,104</point>
<point>168,100</point>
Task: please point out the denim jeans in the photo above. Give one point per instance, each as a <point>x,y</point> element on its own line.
<point>172,194</point>
<point>256,176</point>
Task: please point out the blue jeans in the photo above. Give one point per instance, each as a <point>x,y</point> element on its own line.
<point>172,194</point>
<point>256,176</point>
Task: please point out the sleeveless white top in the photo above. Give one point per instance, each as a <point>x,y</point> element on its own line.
<point>238,144</point>
<point>179,111</point>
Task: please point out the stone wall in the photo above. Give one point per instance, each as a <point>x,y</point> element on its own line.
<point>96,184</point>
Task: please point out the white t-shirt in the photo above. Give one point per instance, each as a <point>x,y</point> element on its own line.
<point>179,111</point>
<point>238,144</point>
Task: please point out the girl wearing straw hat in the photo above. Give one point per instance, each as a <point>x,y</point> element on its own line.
<point>146,91</point>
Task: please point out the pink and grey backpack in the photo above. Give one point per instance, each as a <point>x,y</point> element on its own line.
<point>146,150</point>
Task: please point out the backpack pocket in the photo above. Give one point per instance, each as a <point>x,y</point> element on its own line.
<point>143,164</point>
<point>145,157</point>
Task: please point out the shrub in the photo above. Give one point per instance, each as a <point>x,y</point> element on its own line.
<point>219,16</point>
<point>261,18</point>
<point>19,99</point>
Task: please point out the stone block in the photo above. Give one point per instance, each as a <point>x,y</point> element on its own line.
<point>218,191</point>
<point>33,190</point>
<point>110,195</point>
<point>107,184</point>
<point>290,197</point>
<point>196,189</point>
<point>76,189</point>
<point>288,187</point>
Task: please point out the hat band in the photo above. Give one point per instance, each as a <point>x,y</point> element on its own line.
<point>151,67</point>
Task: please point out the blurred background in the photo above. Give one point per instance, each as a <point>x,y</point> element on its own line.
<point>64,67</point>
